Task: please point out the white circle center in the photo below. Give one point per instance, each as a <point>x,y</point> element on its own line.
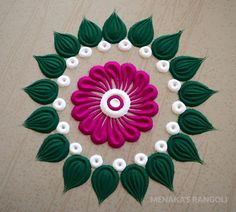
<point>115,102</point>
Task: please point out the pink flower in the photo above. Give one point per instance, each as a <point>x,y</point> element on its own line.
<point>114,103</point>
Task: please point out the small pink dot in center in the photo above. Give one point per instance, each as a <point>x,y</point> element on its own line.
<point>115,102</point>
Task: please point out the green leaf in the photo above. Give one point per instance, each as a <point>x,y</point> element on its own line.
<point>193,122</point>
<point>54,148</point>
<point>104,181</point>
<point>43,91</point>
<point>182,148</point>
<point>51,65</point>
<point>114,29</point>
<point>135,180</point>
<point>76,171</point>
<point>193,93</point>
<point>66,45</point>
<point>183,68</point>
<point>161,169</point>
<point>166,46</point>
<point>141,33</point>
<point>44,120</point>
<point>89,33</point>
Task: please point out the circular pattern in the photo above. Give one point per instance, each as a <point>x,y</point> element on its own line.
<point>85,52</point>
<point>119,164</point>
<point>172,128</point>
<point>115,103</point>
<point>75,148</point>
<point>140,159</point>
<point>63,127</point>
<point>104,46</point>
<point>174,85</point>
<point>104,126</point>
<point>125,45</point>
<point>145,52</point>
<point>59,104</point>
<point>163,66</point>
<point>96,161</point>
<point>63,81</point>
<point>161,146</point>
<point>178,107</point>
<point>72,62</point>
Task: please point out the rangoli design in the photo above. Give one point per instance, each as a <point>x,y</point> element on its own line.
<point>114,103</point>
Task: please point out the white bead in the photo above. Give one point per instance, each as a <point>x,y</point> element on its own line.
<point>75,148</point>
<point>104,46</point>
<point>178,107</point>
<point>63,81</point>
<point>119,164</point>
<point>59,104</point>
<point>96,161</point>
<point>163,66</point>
<point>63,127</point>
<point>174,85</point>
<point>145,52</point>
<point>125,45</point>
<point>85,51</point>
<point>140,159</point>
<point>161,146</point>
<point>72,62</point>
<point>172,128</point>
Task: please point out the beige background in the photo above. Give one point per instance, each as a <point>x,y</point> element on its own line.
<point>27,29</point>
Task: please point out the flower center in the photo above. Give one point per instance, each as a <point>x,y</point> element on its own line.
<point>115,103</point>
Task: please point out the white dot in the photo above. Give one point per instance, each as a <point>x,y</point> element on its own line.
<point>119,164</point>
<point>161,146</point>
<point>115,102</point>
<point>75,148</point>
<point>140,159</point>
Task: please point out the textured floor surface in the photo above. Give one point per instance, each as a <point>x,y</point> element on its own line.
<point>26,29</point>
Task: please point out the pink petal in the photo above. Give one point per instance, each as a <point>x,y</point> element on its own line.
<point>99,134</point>
<point>142,123</point>
<point>115,137</point>
<point>82,111</point>
<point>147,108</point>
<point>82,97</point>
<point>128,72</point>
<point>149,93</point>
<point>140,81</point>
<point>130,133</point>
<point>87,125</point>
<point>113,70</point>
<point>88,84</point>
<point>98,74</point>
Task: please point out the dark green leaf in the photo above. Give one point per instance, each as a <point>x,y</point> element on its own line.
<point>183,68</point>
<point>194,93</point>
<point>51,65</point>
<point>141,33</point>
<point>104,181</point>
<point>76,171</point>
<point>89,33</point>
<point>54,148</point>
<point>43,91</point>
<point>44,120</point>
<point>114,29</point>
<point>166,46</point>
<point>161,169</point>
<point>66,45</point>
<point>182,148</point>
<point>135,180</point>
<point>193,122</point>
